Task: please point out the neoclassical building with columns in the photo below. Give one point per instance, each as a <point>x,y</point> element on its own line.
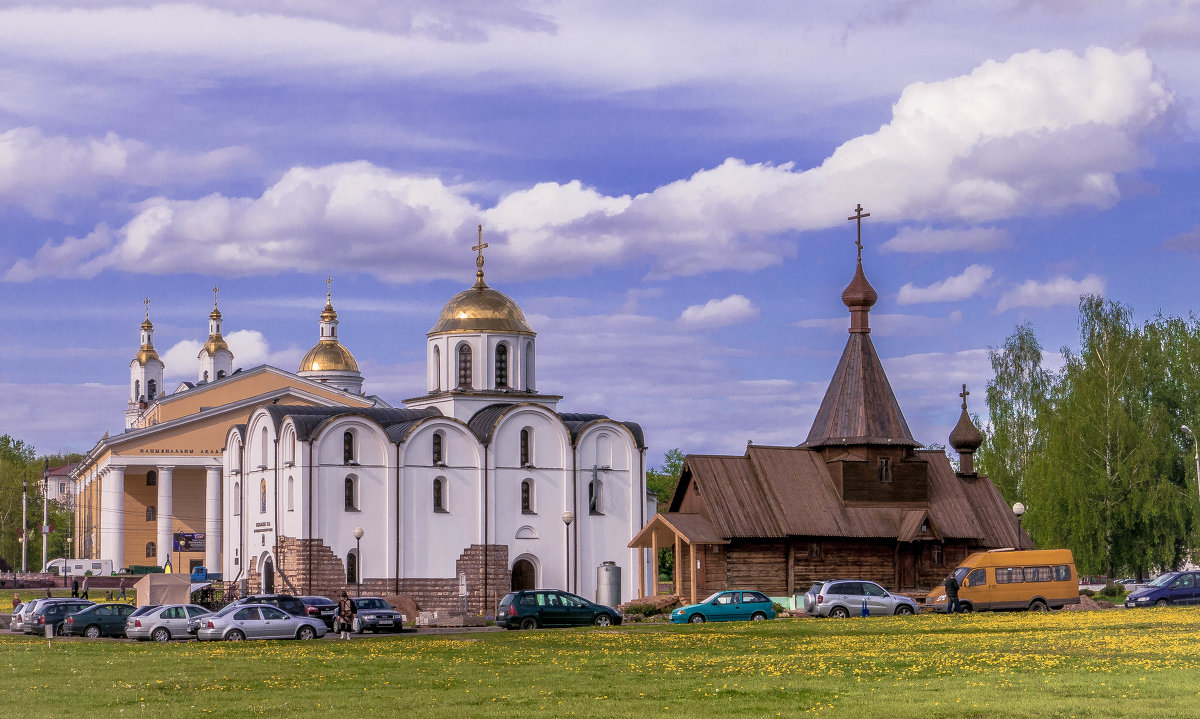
<point>478,484</point>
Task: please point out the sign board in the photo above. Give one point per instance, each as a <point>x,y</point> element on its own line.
<point>189,541</point>
<point>462,584</point>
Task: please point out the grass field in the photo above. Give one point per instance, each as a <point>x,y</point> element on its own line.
<point>1143,663</point>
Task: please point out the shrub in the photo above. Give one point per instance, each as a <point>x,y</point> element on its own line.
<point>780,610</point>
<point>1087,593</point>
<point>646,610</point>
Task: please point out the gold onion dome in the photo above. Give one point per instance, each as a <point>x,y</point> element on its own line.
<point>328,356</point>
<point>145,354</point>
<point>214,344</point>
<point>482,309</point>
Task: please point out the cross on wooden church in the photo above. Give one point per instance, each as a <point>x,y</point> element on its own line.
<point>964,394</point>
<point>859,215</point>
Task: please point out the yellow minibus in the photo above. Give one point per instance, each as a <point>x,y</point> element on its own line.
<point>1008,579</point>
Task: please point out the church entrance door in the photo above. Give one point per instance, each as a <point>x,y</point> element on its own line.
<point>268,576</point>
<point>907,569</point>
<point>523,575</point>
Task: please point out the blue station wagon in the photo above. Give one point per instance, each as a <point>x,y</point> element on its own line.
<point>1170,588</point>
<point>727,606</point>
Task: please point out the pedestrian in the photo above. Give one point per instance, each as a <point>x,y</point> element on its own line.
<point>74,587</point>
<point>345,615</point>
<point>16,602</point>
<point>952,603</point>
<point>123,597</point>
<point>85,583</point>
<point>47,593</point>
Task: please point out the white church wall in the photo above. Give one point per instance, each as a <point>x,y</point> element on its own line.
<point>437,538</point>
<point>604,536</point>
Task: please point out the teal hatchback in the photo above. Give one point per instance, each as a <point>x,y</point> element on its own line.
<point>727,606</point>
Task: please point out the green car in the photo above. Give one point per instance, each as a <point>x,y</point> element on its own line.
<point>727,606</point>
<point>99,620</point>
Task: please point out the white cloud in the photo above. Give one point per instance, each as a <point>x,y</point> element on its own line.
<point>37,171</point>
<point>928,239</point>
<point>86,410</point>
<point>1061,290</point>
<point>1185,241</point>
<point>734,309</point>
<point>1038,132</point>
<point>250,348</point>
<point>951,289</point>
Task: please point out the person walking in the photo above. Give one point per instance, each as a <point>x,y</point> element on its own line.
<point>952,603</point>
<point>85,583</point>
<point>345,615</point>
<point>123,597</point>
<point>74,587</point>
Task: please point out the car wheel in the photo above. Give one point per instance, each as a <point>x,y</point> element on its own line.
<point>529,623</point>
<point>839,613</point>
<point>603,620</point>
<point>92,632</point>
<point>235,636</point>
<point>966,608</point>
<point>162,634</point>
<point>1162,603</point>
<point>697,619</point>
<point>904,610</point>
<point>1038,606</point>
<point>758,617</point>
<point>306,633</point>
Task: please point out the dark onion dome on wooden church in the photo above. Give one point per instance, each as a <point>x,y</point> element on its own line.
<point>859,407</point>
<point>965,437</point>
<point>481,308</point>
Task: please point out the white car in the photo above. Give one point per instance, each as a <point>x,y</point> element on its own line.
<point>162,624</point>
<point>257,621</point>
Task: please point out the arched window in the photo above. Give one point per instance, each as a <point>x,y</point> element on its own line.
<point>137,389</point>
<point>263,452</point>
<point>527,367</point>
<point>501,365</point>
<point>527,497</point>
<point>151,513</point>
<point>152,550</point>
<point>464,366</point>
<point>152,478</point>
<point>151,389</point>
<point>351,493</point>
<point>437,369</point>
<point>351,568</point>
<point>262,496</point>
<point>237,498</point>
<point>594,497</point>
<point>348,447</point>
<point>439,495</point>
<point>438,456</point>
<point>291,495</point>
<point>526,454</point>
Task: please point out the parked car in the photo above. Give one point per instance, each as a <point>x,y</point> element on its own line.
<point>163,623</point>
<point>286,602</point>
<point>53,612</point>
<point>1170,588</point>
<point>257,621</point>
<point>23,613</point>
<point>374,614</point>
<point>322,608</point>
<point>15,619</point>
<point>535,608</point>
<point>726,606</point>
<point>99,620</point>
<point>842,598</point>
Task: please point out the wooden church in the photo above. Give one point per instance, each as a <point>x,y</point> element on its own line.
<point>858,499</point>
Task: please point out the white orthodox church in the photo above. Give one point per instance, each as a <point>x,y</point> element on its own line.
<point>297,482</point>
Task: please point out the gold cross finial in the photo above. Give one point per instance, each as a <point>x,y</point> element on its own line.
<point>215,290</point>
<point>858,216</point>
<point>328,289</point>
<point>147,301</point>
<point>479,258</point>
<point>964,394</point>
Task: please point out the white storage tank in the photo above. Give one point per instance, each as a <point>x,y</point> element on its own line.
<point>608,584</point>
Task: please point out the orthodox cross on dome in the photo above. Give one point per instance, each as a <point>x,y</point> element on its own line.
<point>859,215</point>
<point>215,290</point>
<point>147,303</point>
<point>964,394</point>
<point>479,258</point>
<point>328,288</point>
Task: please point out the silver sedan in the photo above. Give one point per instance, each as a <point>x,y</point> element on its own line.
<point>163,623</point>
<point>257,621</point>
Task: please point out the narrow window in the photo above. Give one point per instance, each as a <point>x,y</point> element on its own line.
<point>527,497</point>
<point>501,366</point>
<point>152,478</point>
<point>351,494</point>
<point>885,470</point>
<point>464,366</point>
<point>814,550</point>
<point>437,369</point>
<point>594,497</point>
<point>527,367</point>
<point>151,549</point>
<point>151,513</point>
<point>438,458</point>
<point>262,496</point>
<point>151,389</point>
<point>935,555</point>
<point>263,453</point>
<point>137,389</point>
<point>205,379</point>
<point>525,454</point>
<point>291,495</point>
<point>237,498</point>
<point>352,568</point>
<point>348,448</point>
<point>439,495</point>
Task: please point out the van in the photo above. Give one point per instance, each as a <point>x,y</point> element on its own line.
<point>1009,579</point>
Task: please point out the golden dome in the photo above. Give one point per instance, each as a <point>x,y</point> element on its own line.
<point>481,309</point>
<point>145,354</point>
<point>214,344</point>
<point>328,356</point>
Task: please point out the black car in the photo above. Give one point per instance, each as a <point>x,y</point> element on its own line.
<point>374,614</point>
<point>551,608</point>
<point>320,608</point>
<point>286,602</point>
<point>99,620</point>
<point>54,612</point>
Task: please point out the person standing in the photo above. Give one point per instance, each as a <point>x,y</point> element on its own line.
<point>16,602</point>
<point>74,587</point>
<point>123,597</point>
<point>345,615</point>
<point>85,583</point>
<point>952,603</point>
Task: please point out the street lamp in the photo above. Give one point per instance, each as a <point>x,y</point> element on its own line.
<point>568,517</point>
<point>67,559</point>
<point>45,512</point>
<point>1196,446</point>
<point>358,534</point>
<point>24,519</point>
<point>1019,509</point>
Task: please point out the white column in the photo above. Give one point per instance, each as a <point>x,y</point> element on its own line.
<point>112,516</point>
<point>212,519</point>
<point>165,512</point>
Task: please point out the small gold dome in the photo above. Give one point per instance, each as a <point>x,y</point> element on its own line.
<point>328,356</point>
<point>481,309</point>
<point>145,354</point>
<point>215,343</point>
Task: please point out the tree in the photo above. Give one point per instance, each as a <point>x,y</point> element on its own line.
<point>662,481</point>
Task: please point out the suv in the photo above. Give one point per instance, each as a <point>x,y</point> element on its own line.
<point>842,598</point>
<point>286,602</point>
<point>53,613</point>
<point>549,608</point>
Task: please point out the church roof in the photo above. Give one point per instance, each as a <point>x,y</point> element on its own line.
<point>308,418</point>
<point>328,356</point>
<point>481,309</point>
<point>483,423</point>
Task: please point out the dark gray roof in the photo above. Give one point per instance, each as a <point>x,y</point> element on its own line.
<point>308,417</point>
<point>483,423</point>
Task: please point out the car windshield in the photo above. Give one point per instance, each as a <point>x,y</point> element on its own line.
<point>712,596</point>
<point>1164,580</point>
<point>961,573</point>
<point>228,610</point>
<point>371,604</point>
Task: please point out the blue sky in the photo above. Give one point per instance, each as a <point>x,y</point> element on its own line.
<point>664,190</point>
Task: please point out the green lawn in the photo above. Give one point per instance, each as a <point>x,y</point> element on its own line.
<point>1143,663</point>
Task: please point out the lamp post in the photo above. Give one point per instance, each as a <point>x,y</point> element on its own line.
<point>45,512</point>
<point>24,520</point>
<point>1196,447</point>
<point>1019,510</point>
<point>568,517</point>
<point>66,559</point>
<point>358,535</point>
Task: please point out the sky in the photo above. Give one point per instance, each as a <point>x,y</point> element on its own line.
<point>664,189</point>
